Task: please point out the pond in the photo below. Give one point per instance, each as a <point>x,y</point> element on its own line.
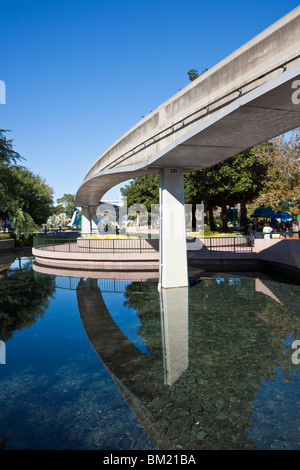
<point>100,362</point>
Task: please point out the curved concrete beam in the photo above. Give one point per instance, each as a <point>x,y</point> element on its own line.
<point>239,103</point>
<point>122,359</point>
<point>258,116</point>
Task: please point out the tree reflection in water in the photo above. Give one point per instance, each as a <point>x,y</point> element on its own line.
<point>237,338</point>
<point>22,300</point>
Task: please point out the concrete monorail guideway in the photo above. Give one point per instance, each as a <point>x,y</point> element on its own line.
<point>251,96</point>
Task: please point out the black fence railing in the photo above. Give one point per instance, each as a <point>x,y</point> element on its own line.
<point>227,243</point>
<point>139,245</point>
<point>94,245</point>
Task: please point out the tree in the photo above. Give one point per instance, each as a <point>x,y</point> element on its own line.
<point>8,159</point>
<point>281,189</point>
<point>232,181</point>
<point>25,198</point>
<point>23,300</point>
<point>28,200</point>
<point>193,74</point>
<point>236,180</point>
<point>65,205</point>
<point>8,156</point>
<point>143,190</point>
<point>33,194</point>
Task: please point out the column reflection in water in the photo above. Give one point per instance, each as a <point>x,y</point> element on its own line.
<point>174,306</point>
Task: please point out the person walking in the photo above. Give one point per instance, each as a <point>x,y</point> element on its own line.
<point>267,230</point>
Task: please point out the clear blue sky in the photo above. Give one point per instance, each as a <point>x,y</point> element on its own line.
<point>79,74</point>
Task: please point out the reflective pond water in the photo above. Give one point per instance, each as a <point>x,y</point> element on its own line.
<point>106,363</point>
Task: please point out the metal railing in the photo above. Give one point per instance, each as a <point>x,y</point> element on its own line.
<point>93,245</point>
<point>117,286</point>
<point>132,245</point>
<point>202,112</point>
<point>233,244</point>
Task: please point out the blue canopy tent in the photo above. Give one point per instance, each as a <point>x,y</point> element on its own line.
<point>262,211</point>
<point>281,215</point>
<point>269,213</point>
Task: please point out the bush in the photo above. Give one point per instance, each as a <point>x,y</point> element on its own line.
<point>5,236</point>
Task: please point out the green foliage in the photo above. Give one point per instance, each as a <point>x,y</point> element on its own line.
<point>8,156</point>
<point>22,300</point>
<point>8,159</point>
<point>281,188</point>
<point>32,196</point>
<point>5,236</point>
<point>25,198</point>
<point>142,190</point>
<point>22,222</point>
<point>65,205</point>
<point>236,180</point>
<point>193,74</point>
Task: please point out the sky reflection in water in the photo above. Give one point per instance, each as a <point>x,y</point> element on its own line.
<point>91,362</point>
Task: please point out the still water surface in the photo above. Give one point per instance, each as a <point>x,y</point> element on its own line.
<point>95,363</point>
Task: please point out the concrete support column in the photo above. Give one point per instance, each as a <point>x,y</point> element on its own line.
<point>85,220</point>
<point>173,267</point>
<point>174,308</point>
<point>94,219</point>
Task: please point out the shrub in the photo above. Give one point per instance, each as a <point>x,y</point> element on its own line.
<point>5,236</point>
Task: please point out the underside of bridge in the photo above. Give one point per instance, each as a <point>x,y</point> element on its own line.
<point>263,104</point>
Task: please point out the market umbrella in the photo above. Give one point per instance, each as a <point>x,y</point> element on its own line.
<point>263,211</point>
<point>281,215</point>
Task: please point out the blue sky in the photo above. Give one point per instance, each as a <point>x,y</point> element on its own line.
<point>79,74</point>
